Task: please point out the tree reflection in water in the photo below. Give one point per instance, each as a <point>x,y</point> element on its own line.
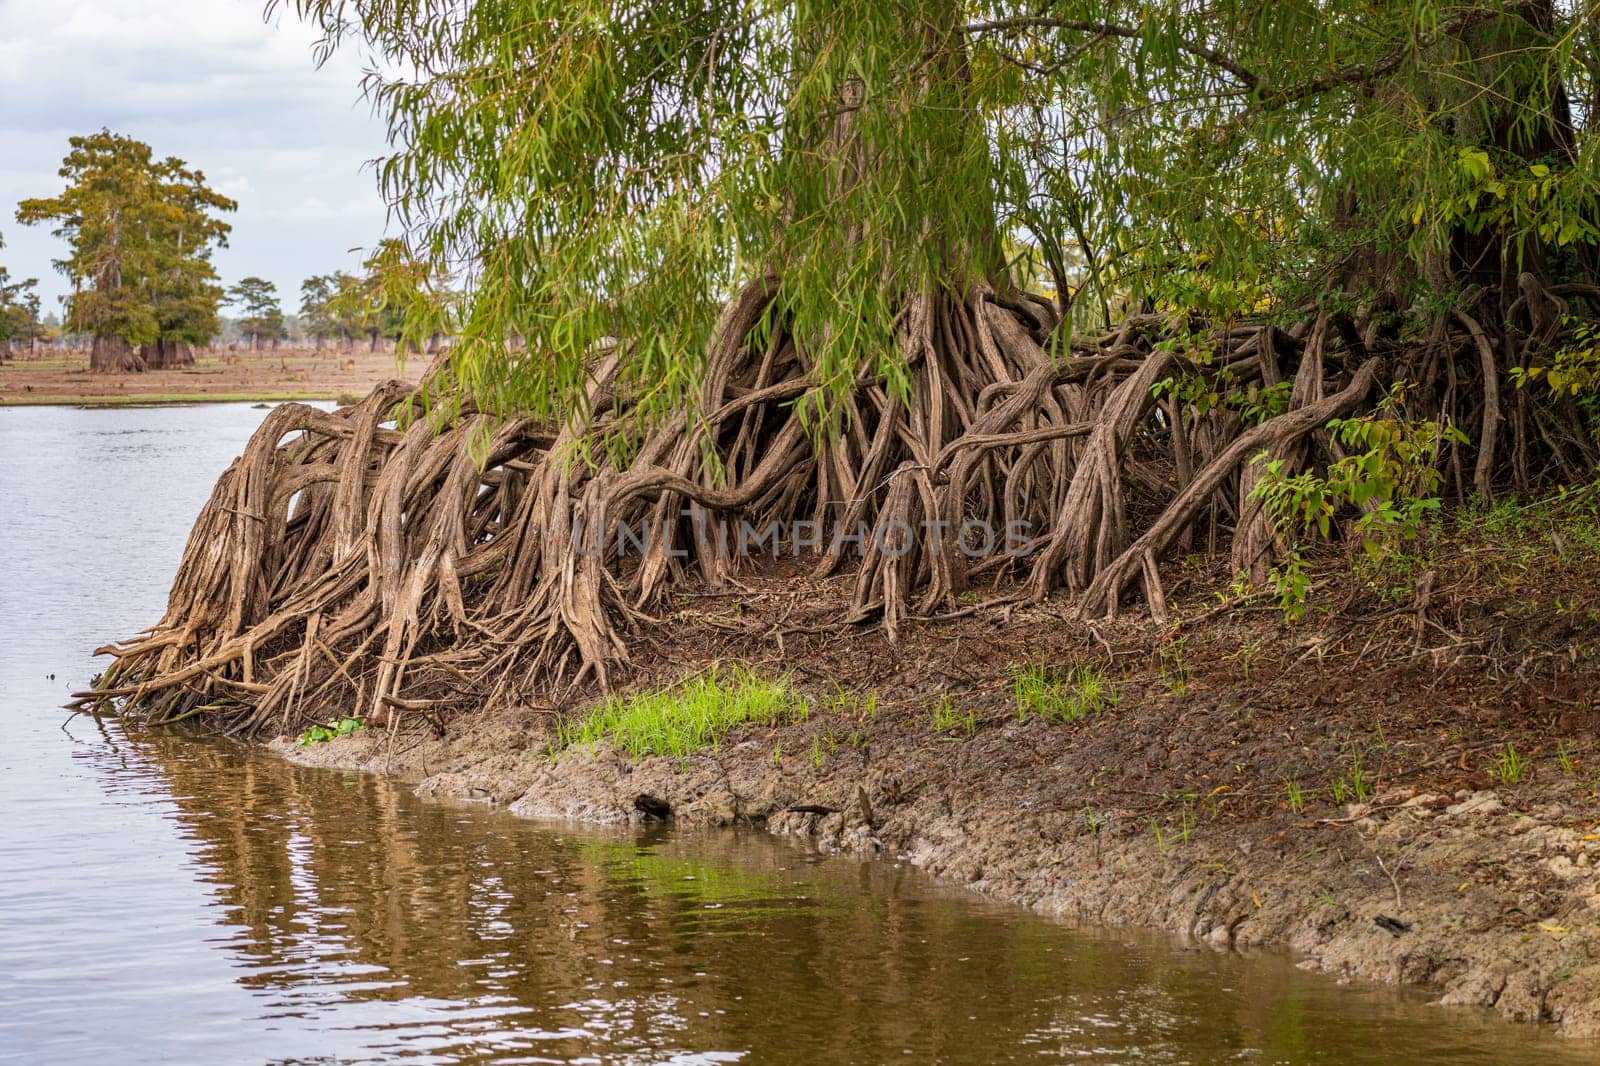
<point>392,925</point>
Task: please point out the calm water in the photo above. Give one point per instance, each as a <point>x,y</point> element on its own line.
<point>164,900</point>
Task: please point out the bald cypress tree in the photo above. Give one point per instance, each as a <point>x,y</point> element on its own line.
<point>140,232</point>
<point>1100,270</point>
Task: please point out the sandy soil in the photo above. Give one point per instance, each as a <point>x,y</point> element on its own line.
<point>59,377</point>
<point>1338,786</point>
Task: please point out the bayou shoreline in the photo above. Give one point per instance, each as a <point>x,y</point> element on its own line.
<point>1169,810</point>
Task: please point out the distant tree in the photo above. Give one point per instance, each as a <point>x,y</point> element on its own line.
<point>398,297</point>
<point>318,314</point>
<point>19,311</point>
<point>263,313</point>
<point>141,234</point>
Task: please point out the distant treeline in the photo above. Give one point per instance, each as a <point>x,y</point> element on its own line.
<point>140,233</point>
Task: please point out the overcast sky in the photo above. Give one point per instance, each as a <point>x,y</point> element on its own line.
<point>208,81</point>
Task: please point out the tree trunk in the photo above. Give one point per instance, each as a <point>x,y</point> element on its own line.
<point>114,355</point>
<point>165,355</point>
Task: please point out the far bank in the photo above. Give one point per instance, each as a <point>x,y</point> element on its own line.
<point>51,376</point>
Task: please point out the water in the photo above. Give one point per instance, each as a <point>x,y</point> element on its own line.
<point>168,900</point>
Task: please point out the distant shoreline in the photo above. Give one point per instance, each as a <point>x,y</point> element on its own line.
<point>169,399</point>
<point>54,378</point>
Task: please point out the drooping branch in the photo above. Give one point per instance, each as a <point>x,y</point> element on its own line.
<point>1110,29</point>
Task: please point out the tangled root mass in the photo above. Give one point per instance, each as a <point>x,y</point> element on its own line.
<point>376,566</point>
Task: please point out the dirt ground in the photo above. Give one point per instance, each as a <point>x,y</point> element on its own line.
<point>1402,787</point>
<point>63,377</point>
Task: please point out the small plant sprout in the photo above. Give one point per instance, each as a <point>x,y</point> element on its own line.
<point>816,753</point>
<point>1246,656</point>
<point>1174,671</point>
<point>858,705</point>
<point>337,727</point>
<point>1360,779</point>
<point>1566,758</point>
<point>944,714</point>
<point>1508,767</point>
<point>1295,795</point>
<point>1161,836</point>
<point>1356,785</point>
<point>1186,821</point>
<point>1091,821</point>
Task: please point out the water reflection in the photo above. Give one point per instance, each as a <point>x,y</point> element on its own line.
<point>401,928</point>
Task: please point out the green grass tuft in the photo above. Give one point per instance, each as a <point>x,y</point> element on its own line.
<point>1508,767</point>
<point>691,716</point>
<point>1043,692</point>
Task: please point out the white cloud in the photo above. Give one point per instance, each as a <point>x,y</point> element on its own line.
<point>210,82</point>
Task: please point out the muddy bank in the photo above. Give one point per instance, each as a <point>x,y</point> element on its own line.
<point>1493,904</point>
<point>1400,790</point>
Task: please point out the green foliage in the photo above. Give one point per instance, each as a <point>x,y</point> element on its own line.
<point>1044,692</point>
<point>688,717</point>
<point>1573,370</point>
<point>1290,584</point>
<point>396,296</point>
<point>336,727</point>
<point>141,233</point>
<point>1295,795</point>
<point>1220,391</point>
<point>1186,822</point>
<point>613,171</point>
<point>1523,197</point>
<point>1391,477</point>
<point>1184,828</point>
<point>1246,655</point>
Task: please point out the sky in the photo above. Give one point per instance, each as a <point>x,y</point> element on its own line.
<point>212,83</point>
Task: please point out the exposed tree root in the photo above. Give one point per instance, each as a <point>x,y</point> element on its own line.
<point>351,562</point>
